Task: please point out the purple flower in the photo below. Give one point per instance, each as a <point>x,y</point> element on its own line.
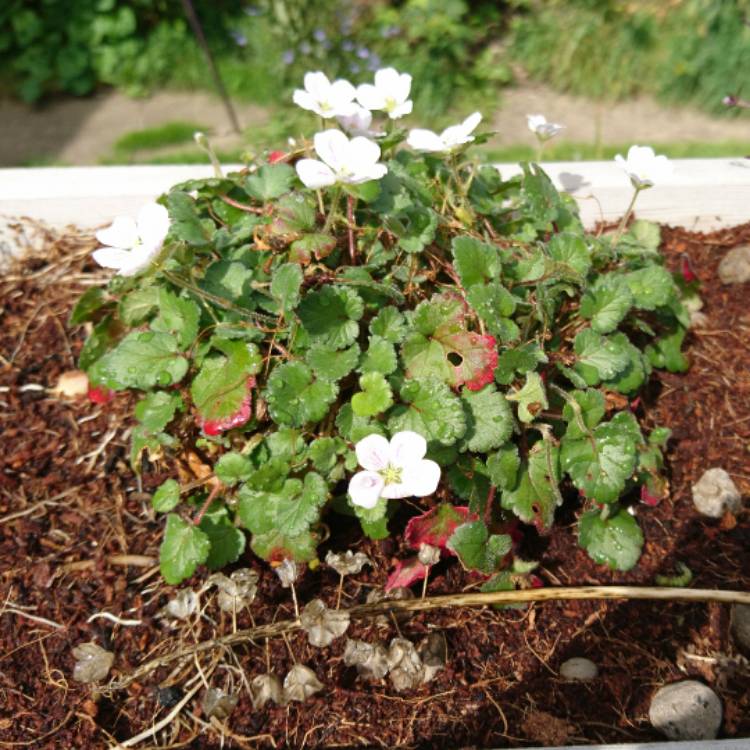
<point>363,53</point>
<point>305,48</point>
<point>288,57</point>
<point>319,35</point>
<point>347,45</point>
<point>239,38</point>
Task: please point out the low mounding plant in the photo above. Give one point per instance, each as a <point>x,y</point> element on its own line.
<point>283,324</point>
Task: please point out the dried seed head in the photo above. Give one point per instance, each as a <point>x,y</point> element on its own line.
<point>264,688</point>
<point>92,662</point>
<point>321,624</point>
<point>347,563</point>
<point>428,555</point>
<point>300,683</point>
<point>396,594</point>
<point>371,660</point>
<point>287,572</point>
<point>433,651</point>
<point>406,668</point>
<point>236,591</point>
<point>218,703</point>
<point>184,604</point>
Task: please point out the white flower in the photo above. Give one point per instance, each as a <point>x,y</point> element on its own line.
<point>542,129</point>
<point>644,167</point>
<point>358,123</point>
<point>390,93</point>
<point>393,469</point>
<point>343,160</point>
<point>130,245</point>
<point>325,98</point>
<point>449,139</point>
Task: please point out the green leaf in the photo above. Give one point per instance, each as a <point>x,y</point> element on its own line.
<point>183,549</point>
<point>229,280</point>
<point>522,359</point>
<point>92,300</point>
<point>330,315</point>
<point>642,238</point>
<point>156,410</point>
<point>599,358</point>
<point>354,428</point>
<point>177,316</point>
<point>294,515</point>
<point>600,468</point>
<point>571,255</point>
<point>364,191</point>
<point>276,547</point>
<point>475,262</point>
<point>503,465</point>
<point>441,347</point>
<point>138,305</point>
<point>666,351</point>
<point>651,287</point>
<point>374,398</point>
<point>535,496</point>
<point>324,453</point>
<point>389,324</point>
<point>635,374</point>
<point>295,215</point>
<point>270,181</point>
<point>285,286</point>
<point>467,480</point>
<point>415,227</point>
<point>616,541</point>
<point>379,357</point>
<point>490,421</point>
<point>477,549</point>
<point>142,360</point>
<point>295,398</point>
<point>286,443</point>
<point>494,304</point>
<point>232,468</point>
<point>429,409</point>
<point>591,408</point>
<point>222,386</point>
<point>166,497</point>
<point>606,304</point>
<point>331,364</point>
<point>226,540</point>
<point>532,398</point>
<point>318,246</point>
<point>186,224</point>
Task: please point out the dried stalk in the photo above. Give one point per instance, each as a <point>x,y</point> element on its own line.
<point>477,599</point>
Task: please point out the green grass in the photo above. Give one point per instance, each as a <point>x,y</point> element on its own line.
<point>173,133</point>
<point>563,151</point>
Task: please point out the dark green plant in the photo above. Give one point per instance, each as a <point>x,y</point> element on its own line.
<point>281,325</point>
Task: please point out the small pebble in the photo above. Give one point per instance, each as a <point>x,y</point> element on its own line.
<point>735,266</point>
<point>741,624</point>
<point>579,669</point>
<point>686,710</point>
<point>715,493</point>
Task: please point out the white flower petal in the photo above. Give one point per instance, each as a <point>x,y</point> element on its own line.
<point>357,123</point>
<point>402,87</point>
<point>123,232</point>
<point>370,97</point>
<point>401,111</point>
<point>365,488</point>
<point>396,491</point>
<point>373,452</point>
<point>332,146</point>
<point>386,79</point>
<point>425,140</point>
<point>153,224</point>
<point>407,447</point>
<point>471,122</point>
<point>342,91</point>
<point>314,173</point>
<point>374,172</point>
<point>421,478</point>
<point>317,84</point>
<point>112,257</point>
<point>455,135</point>
<point>363,152</point>
<point>305,100</point>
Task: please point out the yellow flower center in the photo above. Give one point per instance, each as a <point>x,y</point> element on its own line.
<point>391,474</point>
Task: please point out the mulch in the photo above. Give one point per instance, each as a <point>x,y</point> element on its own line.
<point>78,537</point>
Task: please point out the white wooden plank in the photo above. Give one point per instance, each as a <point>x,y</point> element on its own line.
<point>691,745</point>
<point>701,194</point>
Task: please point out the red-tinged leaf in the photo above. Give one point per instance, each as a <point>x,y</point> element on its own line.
<point>98,394</point>
<point>406,573</point>
<point>686,269</point>
<point>215,427</point>
<point>647,498</point>
<point>536,582</point>
<point>437,525</point>
<point>276,156</point>
<point>442,347</point>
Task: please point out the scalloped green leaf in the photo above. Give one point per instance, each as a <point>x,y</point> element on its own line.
<point>295,397</point>
<point>183,549</point>
<point>616,541</point>
<point>330,315</point>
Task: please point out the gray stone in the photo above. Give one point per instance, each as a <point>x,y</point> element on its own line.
<point>741,624</point>
<point>686,710</point>
<point>579,669</point>
<point>735,265</point>
<point>715,493</point>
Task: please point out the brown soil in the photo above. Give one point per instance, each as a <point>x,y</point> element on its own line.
<point>70,510</point>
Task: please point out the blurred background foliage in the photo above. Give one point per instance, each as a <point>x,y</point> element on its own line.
<point>686,51</point>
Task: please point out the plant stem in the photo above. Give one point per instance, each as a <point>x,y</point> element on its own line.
<point>350,221</point>
<point>294,600</point>
<point>211,497</point>
<point>625,219</point>
<point>424,583</point>
<point>341,588</point>
<point>472,599</point>
<point>332,210</point>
